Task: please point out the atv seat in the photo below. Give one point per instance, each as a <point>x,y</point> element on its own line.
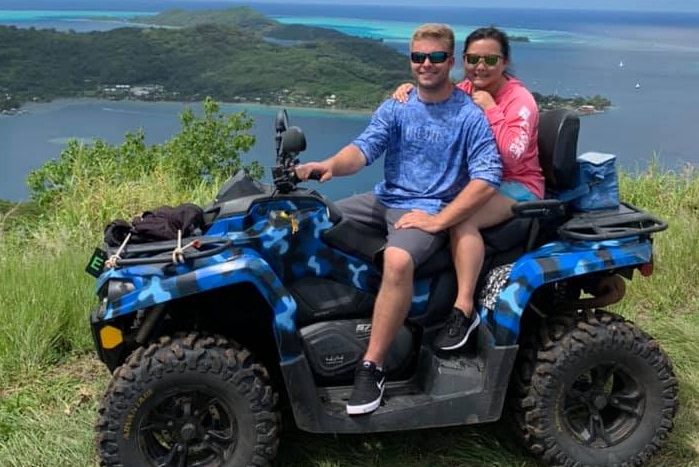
<point>557,141</point>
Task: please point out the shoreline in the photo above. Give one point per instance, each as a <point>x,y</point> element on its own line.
<point>25,108</point>
<point>64,101</point>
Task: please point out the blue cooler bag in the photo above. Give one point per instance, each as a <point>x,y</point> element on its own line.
<point>597,185</point>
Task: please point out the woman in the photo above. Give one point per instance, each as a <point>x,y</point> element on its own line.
<point>514,117</point>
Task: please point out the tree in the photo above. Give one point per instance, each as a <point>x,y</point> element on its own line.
<point>209,147</point>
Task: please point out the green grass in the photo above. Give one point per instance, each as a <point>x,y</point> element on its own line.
<point>40,299</point>
<point>47,419</point>
<point>50,380</point>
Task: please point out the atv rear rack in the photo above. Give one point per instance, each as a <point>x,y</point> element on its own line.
<point>625,221</point>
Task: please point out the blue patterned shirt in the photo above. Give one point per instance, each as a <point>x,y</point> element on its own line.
<point>432,150</point>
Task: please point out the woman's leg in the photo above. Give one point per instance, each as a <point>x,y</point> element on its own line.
<point>468,252</point>
<point>468,249</point>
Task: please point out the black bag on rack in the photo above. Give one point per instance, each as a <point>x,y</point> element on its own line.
<point>156,225</point>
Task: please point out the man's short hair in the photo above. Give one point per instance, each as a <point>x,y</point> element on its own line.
<point>440,32</point>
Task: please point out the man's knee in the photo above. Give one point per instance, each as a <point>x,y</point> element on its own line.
<point>397,264</point>
<point>462,229</point>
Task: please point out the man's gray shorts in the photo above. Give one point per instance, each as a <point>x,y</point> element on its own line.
<point>365,208</point>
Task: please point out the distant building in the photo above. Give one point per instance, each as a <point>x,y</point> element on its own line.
<point>587,109</point>
<point>147,90</point>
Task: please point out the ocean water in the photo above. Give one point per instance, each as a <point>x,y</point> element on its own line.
<point>27,141</point>
<point>647,64</point>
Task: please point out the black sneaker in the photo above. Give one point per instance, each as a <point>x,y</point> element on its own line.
<point>368,389</point>
<point>458,329</point>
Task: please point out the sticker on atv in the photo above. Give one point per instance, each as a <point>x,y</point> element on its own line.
<point>96,264</point>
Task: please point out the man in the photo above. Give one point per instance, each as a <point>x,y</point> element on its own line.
<point>441,164</point>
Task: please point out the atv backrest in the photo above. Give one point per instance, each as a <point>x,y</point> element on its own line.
<point>558,146</point>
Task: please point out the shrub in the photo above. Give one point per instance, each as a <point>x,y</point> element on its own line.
<point>208,148</point>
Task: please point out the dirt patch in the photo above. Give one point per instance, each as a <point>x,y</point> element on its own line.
<point>85,368</point>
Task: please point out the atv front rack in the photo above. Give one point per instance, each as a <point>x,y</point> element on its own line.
<point>162,252</point>
<point>625,221</point>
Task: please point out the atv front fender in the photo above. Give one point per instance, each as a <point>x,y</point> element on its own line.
<point>156,285</point>
<point>552,263</point>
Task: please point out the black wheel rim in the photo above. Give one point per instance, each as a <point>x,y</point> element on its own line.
<point>189,428</point>
<point>603,406</point>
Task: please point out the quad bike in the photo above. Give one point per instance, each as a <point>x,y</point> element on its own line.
<point>269,312</point>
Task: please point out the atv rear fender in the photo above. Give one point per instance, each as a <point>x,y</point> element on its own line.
<point>555,262</point>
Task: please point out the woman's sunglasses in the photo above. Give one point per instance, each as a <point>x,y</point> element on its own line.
<point>435,57</point>
<point>489,60</point>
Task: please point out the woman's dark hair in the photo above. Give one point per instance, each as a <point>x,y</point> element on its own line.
<point>494,33</point>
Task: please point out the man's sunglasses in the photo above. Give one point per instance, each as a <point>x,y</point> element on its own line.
<point>490,60</point>
<point>435,57</point>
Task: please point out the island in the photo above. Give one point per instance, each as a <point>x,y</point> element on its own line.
<point>247,58</point>
<point>583,105</point>
<point>234,55</point>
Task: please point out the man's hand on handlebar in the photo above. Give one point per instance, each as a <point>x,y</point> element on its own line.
<point>314,171</point>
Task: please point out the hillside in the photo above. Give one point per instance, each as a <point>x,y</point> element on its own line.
<point>234,55</point>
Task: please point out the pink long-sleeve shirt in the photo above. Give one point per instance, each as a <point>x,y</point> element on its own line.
<point>514,120</point>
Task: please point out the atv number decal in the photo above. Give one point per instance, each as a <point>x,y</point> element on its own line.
<point>96,264</point>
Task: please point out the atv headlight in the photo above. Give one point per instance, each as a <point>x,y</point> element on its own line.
<point>118,288</point>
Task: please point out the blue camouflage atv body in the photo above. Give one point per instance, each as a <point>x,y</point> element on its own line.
<point>274,300</point>
<point>268,250</point>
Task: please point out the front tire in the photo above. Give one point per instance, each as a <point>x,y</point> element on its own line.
<point>596,392</point>
<point>188,401</point>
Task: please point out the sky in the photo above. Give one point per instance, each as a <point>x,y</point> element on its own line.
<point>645,5</point>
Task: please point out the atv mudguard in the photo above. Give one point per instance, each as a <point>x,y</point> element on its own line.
<point>153,286</point>
<point>551,263</point>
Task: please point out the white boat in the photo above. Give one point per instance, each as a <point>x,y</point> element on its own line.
<point>638,85</point>
<point>621,64</point>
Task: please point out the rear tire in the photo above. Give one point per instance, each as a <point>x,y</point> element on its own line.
<point>193,400</point>
<point>594,390</point>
